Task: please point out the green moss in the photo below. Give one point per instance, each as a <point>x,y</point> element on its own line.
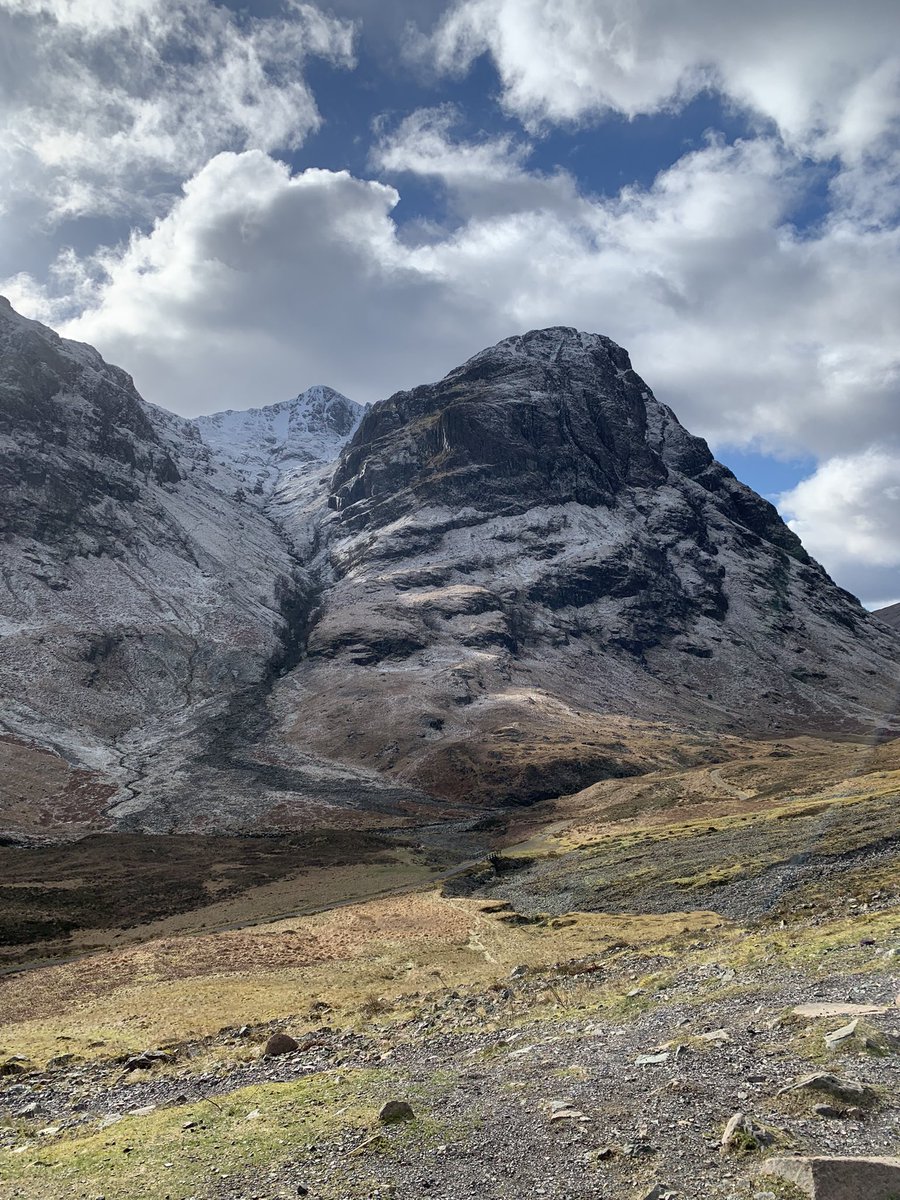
<point>779,1188</point>
<point>178,1151</point>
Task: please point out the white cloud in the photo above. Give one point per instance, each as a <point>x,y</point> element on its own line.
<point>106,106</point>
<point>259,283</point>
<point>850,508</point>
<point>255,283</point>
<point>482,178</point>
<point>848,515</point>
<point>826,72</point>
<point>754,334</point>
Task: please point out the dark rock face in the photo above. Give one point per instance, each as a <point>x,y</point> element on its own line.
<point>548,418</point>
<point>507,569</point>
<point>552,417</point>
<point>534,541</point>
<point>75,436</point>
<point>557,423</point>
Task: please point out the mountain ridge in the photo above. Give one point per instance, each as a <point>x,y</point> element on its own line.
<point>263,444</point>
<point>509,584</point>
<point>890,615</point>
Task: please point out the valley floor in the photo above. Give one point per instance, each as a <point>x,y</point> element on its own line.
<point>578,1016</point>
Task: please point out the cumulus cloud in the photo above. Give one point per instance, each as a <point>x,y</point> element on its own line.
<point>482,178</point>
<point>755,334</point>
<point>107,105</point>
<point>257,281</point>
<point>825,72</point>
<point>848,515</point>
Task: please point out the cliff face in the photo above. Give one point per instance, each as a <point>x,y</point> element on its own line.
<point>552,417</point>
<point>75,436</point>
<point>534,544</point>
<point>504,577</point>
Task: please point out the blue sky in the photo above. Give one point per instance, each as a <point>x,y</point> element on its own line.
<point>236,201</point>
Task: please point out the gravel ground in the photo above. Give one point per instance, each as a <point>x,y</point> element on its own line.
<point>486,1084</point>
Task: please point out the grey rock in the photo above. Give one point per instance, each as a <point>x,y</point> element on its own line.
<point>830,1009</point>
<point>823,1178</point>
<point>847,1090</point>
<point>839,1038</point>
<point>858,1035</point>
<point>395,1110</point>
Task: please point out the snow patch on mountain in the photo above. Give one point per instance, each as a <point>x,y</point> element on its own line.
<point>264,445</point>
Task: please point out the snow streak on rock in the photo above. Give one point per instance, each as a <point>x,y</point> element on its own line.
<point>220,624</point>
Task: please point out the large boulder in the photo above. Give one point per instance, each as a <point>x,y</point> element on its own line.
<point>839,1178</point>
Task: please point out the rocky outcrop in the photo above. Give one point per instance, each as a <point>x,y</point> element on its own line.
<point>836,1178</point>
<point>76,440</point>
<point>535,543</point>
<point>219,627</point>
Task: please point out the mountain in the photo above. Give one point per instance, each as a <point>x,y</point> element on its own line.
<point>890,615</point>
<point>147,597</point>
<point>264,444</point>
<point>533,547</point>
<point>511,583</point>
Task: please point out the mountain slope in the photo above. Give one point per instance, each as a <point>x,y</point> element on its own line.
<point>513,583</point>
<point>534,546</point>
<point>265,444</point>
<point>147,601</point>
<point>890,615</point>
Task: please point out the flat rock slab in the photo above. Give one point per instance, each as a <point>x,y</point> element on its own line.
<point>839,1178</point>
<point>841,1010</point>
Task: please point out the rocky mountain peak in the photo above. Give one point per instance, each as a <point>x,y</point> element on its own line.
<point>534,541</point>
<point>554,416</point>
<point>264,444</point>
<point>503,567</point>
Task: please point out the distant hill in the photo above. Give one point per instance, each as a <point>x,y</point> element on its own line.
<point>890,615</point>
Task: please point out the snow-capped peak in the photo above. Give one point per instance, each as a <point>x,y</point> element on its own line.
<point>264,444</point>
